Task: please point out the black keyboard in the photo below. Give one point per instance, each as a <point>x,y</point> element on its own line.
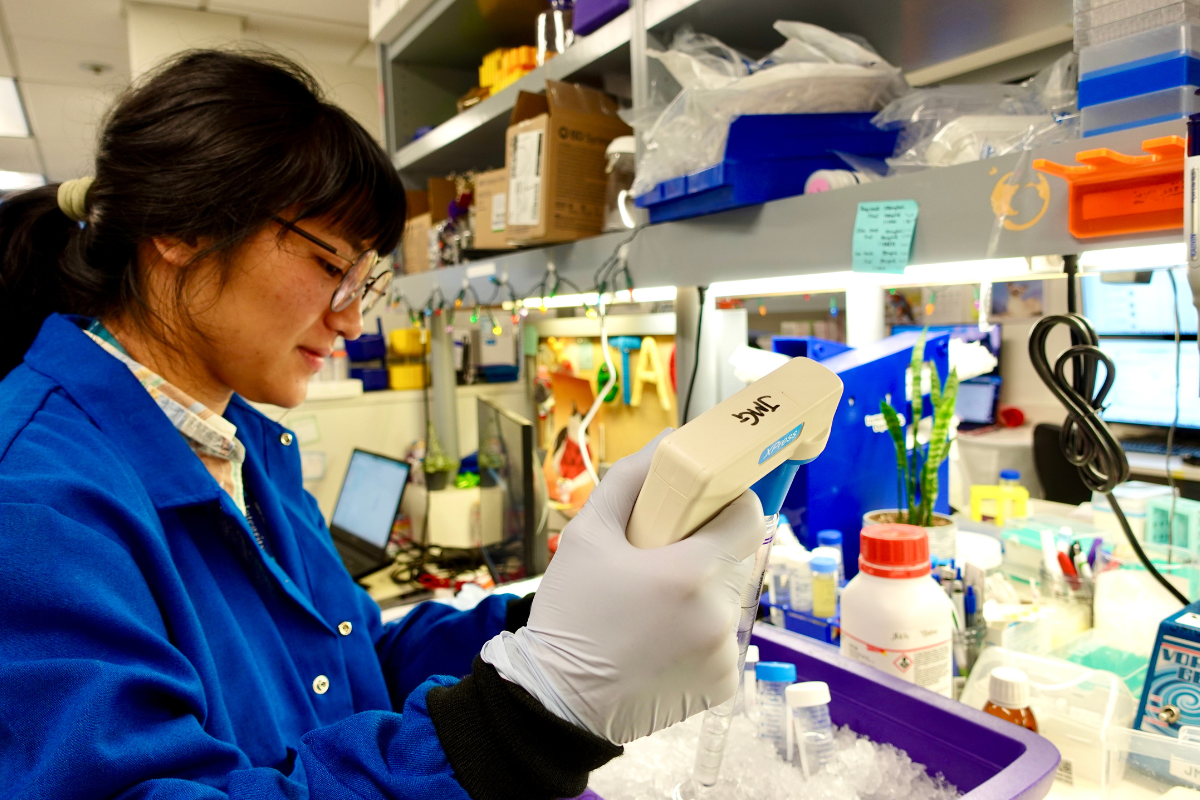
<point>1159,447</point>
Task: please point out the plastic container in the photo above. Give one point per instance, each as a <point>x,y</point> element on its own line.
<point>777,582</point>
<point>833,540</point>
<point>406,376</point>
<point>824,586</point>
<point>1132,496</point>
<point>1096,13</point>
<point>811,728</point>
<point>1149,765</point>
<point>826,180</point>
<point>1073,706</point>
<point>1160,44</point>
<point>749,680</point>
<point>768,156</point>
<point>835,553</point>
<point>620,213</point>
<point>409,342</point>
<point>892,600</point>
<point>1008,697</point>
<point>1186,533</point>
<point>555,32</point>
<point>592,14</point>
<point>1175,14</point>
<point>1135,112</point>
<point>984,757</point>
<point>374,379</point>
<point>1010,477</point>
<point>369,346</point>
<point>771,702</point>
<point>800,586</point>
<point>1140,77</point>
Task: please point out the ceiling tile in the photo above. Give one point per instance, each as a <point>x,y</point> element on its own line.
<point>19,155</point>
<point>349,11</point>
<point>66,160</point>
<point>49,61</point>
<point>65,113</point>
<point>81,21</point>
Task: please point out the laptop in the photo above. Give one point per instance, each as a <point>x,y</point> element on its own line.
<point>366,509</point>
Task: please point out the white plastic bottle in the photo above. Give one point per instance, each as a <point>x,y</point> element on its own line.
<point>812,729</point>
<point>773,679</point>
<point>835,553</point>
<point>800,589</point>
<point>893,616</point>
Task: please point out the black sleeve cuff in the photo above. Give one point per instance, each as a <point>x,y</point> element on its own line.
<point>504,745</point>
<point>516,615</point>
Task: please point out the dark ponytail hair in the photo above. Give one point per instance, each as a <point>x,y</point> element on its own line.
<point>204,150</point>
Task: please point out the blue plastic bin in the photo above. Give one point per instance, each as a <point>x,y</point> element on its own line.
<point>374,379</point>
<point>768,156</point>
<point>592,14</point>
<point>984,756</point>
<point>808,347</point>
<point>369,346</point>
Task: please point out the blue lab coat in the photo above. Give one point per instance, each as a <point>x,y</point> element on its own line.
<point>150,648</point>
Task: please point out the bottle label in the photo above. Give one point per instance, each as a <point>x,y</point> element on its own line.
<point>922,656</point>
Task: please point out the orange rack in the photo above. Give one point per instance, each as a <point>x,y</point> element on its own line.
<point>1112,193</point>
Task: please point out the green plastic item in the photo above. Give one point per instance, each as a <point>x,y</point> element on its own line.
<point>466,480</point>
<point>1097,651</point>
<point>602,377</point>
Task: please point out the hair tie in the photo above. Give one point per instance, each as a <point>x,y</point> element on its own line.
<point>72,197</point>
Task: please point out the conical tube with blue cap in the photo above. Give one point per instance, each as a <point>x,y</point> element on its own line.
<point>756,439</point>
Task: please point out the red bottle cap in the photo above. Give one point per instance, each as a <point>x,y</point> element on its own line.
<point>894,551</point>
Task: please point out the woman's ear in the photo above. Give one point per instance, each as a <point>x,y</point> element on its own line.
<point>173,250</point>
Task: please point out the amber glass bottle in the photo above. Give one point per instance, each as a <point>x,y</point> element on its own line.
<point>1008,697</point>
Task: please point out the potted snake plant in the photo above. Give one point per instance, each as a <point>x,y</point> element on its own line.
<point>917,463</point>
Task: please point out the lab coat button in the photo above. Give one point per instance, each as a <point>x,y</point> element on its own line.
<point>285,438</point>
<point>320,684</point>
<point>345,628</point>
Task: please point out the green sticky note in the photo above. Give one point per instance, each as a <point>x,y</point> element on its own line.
<point>883,235</point>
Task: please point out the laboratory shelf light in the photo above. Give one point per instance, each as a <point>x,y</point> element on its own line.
<point>1134,259</point>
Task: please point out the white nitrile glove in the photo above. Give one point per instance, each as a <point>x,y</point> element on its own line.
<point>624,642</point>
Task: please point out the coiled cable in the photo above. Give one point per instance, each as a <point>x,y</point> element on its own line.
<point>1086,441</point>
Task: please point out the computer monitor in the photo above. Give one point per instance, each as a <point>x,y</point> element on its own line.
<point>510,487</point>
<point>366,510</point>
<point>1143,393</point>
<point>1139,309</point>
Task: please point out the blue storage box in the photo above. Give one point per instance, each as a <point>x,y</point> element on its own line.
<point>500,373</point>
<point>768,156</point>
<point>1139,77</point>
<point>368,346</point>
<point>593,14</point>
<point>808,347</point>
<point>373,379</point>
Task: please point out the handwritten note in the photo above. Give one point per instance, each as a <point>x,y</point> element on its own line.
<point>883,235</point>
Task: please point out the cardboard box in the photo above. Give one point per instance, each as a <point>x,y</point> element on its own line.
<point>416,203</point>
<point>415,245</point>
<point>491,210</point>
<point>555,162</point>
<point>441,195</point>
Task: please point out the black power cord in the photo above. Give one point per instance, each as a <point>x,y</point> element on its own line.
<point>1086,441</point>
<point>695,357</point>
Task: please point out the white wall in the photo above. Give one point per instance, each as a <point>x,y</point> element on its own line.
<point>1022,387</point>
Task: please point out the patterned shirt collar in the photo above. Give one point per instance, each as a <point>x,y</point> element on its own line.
<point>212,437</point>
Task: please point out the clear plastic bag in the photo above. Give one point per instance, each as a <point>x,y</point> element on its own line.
<point>954,124</point>
<point>815,71</point>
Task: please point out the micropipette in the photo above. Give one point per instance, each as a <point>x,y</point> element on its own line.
<point>758,439</point>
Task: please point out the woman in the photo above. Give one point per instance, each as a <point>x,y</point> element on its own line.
<point>175,620</point>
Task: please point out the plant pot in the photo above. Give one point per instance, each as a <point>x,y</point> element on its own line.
<point>436,481</point>
<point>487,476</point>
<point>943,537</point>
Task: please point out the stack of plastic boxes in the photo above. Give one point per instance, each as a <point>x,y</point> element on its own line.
<point>1139,62</point>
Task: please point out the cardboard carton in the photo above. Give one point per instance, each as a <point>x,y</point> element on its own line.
<point>491,210</point>
<point>554,156</point>
<point>415,244</point>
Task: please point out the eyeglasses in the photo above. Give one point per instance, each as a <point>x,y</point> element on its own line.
<point>357,281</point>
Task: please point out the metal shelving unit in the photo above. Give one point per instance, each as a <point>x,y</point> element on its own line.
<point>812,233</point>
<point>434,61</point>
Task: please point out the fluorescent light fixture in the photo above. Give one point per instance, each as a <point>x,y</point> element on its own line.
<point>11,181</point>
<point>843,280</point>
<point>12,113</point>
<point>1132,259</point>
<point>653,294</point>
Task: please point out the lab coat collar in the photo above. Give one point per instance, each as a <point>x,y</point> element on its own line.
<point>111,396</point>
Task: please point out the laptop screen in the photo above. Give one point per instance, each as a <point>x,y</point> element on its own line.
<point>370,497</point>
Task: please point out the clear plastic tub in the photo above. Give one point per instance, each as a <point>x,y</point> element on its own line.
<point>1149,765</point>
<point>1118,10</point>
<point>1160,43</point>
<point>1175,14</point>
<point>1134,112</point>
<point>1073,705</point>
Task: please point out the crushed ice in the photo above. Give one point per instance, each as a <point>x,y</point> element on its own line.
<point>864,770</point>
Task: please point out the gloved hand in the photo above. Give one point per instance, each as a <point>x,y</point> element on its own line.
<point>623,641</point>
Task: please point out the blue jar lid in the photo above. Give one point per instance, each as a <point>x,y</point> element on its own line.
<point>775,671</point>
<point>1010,475</point>
<point>823,564</point>
<point>830,538</point>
